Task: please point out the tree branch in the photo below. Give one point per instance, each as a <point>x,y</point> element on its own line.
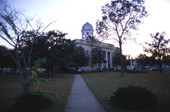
<point>7,41</point>
<point>48,26</point>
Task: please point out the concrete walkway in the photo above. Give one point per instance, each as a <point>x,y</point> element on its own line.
<point>82,99</point>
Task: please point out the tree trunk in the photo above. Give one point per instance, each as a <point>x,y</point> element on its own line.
<point>122,65</point>
<point>50,73</point>
<point>160,67</point>
<point>23,80</point>
<point>121,57</point>
<point>25,86</point>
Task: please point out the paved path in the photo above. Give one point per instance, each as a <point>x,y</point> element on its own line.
<point>82,99</point>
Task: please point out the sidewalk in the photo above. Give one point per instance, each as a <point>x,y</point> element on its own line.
<point>82,99</point>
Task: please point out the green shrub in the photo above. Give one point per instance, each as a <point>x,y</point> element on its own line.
<point>39,99</point>
<point>33,102</point>
<point>134,98</point>
<point>44,93</point>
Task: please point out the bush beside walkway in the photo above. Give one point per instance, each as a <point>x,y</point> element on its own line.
<point>104,84</point>
<point>59,84</point>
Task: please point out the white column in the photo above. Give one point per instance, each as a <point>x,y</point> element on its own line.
<point>106,60</point>
<point>111,60</point>
<point>97,65</point>
<point>102,66</point>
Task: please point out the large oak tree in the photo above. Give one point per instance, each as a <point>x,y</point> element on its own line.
<point>119,17</point>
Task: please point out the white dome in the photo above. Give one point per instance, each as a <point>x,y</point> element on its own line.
<point>87,26</point>
<point>87,30</point>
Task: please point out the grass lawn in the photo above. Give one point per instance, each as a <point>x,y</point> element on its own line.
<point>104,84</point>
<point>10,88</point>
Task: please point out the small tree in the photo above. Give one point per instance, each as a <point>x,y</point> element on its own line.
<point>14,30</point>
<point>119,18</point>
<point>80,59</point>
<point>37,69</point>
<point>158,48</point>
<point>98,56</point>
<point>143,60</point>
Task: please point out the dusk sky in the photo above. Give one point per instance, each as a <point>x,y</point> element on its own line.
<point>70,15</point>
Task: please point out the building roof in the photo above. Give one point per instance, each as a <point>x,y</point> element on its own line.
<point>95,44</point>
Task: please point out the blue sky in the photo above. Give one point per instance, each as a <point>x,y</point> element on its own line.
<point>70,15</point>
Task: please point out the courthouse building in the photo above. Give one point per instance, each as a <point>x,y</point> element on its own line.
<point>85,42</point>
